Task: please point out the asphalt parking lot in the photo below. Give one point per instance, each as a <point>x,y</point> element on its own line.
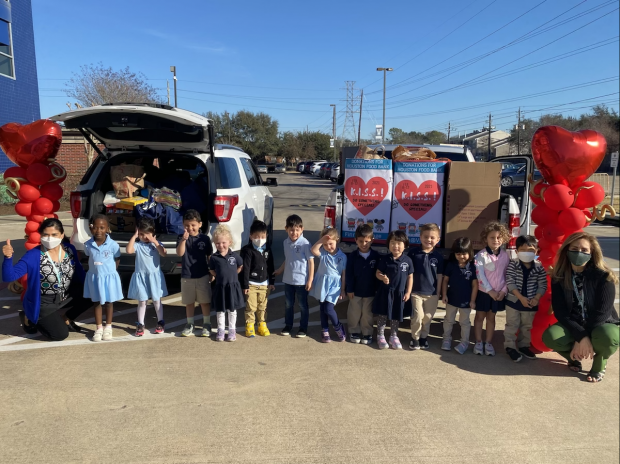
<point>167,399</point>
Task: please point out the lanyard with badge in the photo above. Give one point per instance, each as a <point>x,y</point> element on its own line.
<point>580,298</point>
<point>57,268</point>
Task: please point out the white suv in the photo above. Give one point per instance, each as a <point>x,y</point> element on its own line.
<point>174,147</point>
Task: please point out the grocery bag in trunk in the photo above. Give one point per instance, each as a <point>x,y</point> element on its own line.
<point>126,179</point>
<point>368,197</point>
<point>418,196</point>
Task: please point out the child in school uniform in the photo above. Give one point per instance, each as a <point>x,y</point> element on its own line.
<point>395,273</point>
<point>526,280</point>
<point>361,286</point>
<point>257,279</point>
<point>427,276</point>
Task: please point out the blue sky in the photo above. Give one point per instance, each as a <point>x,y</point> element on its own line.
<point>454,60</point>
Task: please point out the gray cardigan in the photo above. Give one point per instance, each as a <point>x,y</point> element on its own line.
<point>536,282</point>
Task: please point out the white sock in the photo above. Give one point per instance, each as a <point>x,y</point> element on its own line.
<point>232,320</point>
<point>159,309</point>
<point>221,320</point>
<point>141,311</point>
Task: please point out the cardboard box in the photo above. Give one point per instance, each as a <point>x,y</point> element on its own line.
<point>418,196</point>
<point>472,200</point>
<point>122,222</point>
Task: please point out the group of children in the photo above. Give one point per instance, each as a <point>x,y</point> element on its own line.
<point>389,287</point>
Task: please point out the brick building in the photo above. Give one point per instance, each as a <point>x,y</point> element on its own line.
<point>72,153</point>
<point>19,85</point>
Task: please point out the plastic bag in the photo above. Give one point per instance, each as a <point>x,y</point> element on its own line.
<point>167,197</point>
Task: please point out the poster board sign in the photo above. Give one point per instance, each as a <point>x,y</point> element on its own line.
<point>418,196</point>
<point>368,197</point>
<point>472,200</point>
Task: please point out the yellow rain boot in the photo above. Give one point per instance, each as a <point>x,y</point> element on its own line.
<point>263,331</point>
<point>249,330</point>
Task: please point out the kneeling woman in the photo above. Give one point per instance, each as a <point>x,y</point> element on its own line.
<point>55,283</point>
<point>583,292</point>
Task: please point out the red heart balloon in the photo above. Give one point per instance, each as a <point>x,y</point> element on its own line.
<point>36,142</point>
<point>565,157</point>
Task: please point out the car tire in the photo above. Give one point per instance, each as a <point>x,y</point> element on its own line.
<point>506,181</point>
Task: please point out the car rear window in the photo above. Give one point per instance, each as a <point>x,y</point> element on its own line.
<point>227,173</point>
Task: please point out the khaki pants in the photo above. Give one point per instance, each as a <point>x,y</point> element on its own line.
<point>256,304</point>
<point>520,321</point>
<point>424,308</point>
<point>464,322</point>
<point>359,314</point>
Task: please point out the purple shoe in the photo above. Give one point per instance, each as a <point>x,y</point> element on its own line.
<point>221,335</point>
<point>342,335</point>
<point>232,335</point>
<point>383,345</point>
<point>395,343</point>
<point>326,338</point>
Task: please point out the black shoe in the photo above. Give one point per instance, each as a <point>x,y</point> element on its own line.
<point>28,327</point>
<point>366,340</point>
<point>301,333</point>
<point>525,351</point>
<point>424,344</point>
<point>286,330</point>
<point>414,344</point>
<point>73,327</point>
<point>514,355</point>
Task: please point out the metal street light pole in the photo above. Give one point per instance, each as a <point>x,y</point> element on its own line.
<point>384,79</point>
<point>173,70</point>
<point>334,129</point>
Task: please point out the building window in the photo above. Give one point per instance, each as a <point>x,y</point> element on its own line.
<point>6,50</point>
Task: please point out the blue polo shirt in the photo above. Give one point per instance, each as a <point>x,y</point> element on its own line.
<point>296,256</point>
<point>197,250</point>
<point>361,272</point>
<point>459,283</point>
<point>426,267</point>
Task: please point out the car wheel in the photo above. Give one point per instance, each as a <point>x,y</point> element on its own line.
<point>506,181</point>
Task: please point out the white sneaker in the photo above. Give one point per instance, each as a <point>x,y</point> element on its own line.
<point>98,335</point>
<point>489,350</point>
<point>446,345</point>
<point>479,348</point>
<point>461,348</point>
<point>107,333</point>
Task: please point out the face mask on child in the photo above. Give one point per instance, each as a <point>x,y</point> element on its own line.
<point>259,242</point>
<point>526,256</point>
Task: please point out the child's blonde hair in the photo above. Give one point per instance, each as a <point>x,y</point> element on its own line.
<point>494,226</point>
<point>331,233</point>
<point>223,230</point>
<point>430,227</point>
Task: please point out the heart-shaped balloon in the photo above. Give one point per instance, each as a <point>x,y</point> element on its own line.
<point>36,142</point>
<point>565,157</point>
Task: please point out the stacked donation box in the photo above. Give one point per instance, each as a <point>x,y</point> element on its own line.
<point>415,188</point>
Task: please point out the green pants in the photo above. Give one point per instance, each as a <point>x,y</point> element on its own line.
<point>604,340</point>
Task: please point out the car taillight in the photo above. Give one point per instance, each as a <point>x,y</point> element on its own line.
<point>224,206</point>
<point>75,200</point>
<point>514,227</point>
<point>330,217</point>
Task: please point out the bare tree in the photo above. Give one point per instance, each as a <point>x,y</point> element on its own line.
<point>96,85</point>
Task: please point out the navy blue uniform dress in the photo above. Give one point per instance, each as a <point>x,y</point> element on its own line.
<point>227,293</point>
<point>389,300</point>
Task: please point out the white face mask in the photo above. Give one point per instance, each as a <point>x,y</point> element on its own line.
<point>259,242</point>
<point>526,256</point>
<point>50,242</point>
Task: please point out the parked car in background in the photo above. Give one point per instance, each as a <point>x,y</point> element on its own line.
<point>301,166</point>
<point>280,168</point>
<point>316,166</point>
<point>307,165</point>
<point>334,172</point>
<point>516,177</point>
<point>262,169</point>
<point>322,170</point>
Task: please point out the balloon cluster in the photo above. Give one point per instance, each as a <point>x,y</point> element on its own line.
<point>35,181</point>
<point>566,202</point>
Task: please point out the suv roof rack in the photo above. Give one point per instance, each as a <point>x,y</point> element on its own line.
<point>222,146</point>
<point>152,105</point>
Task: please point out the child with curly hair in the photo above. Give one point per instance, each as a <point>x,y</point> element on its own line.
<point>491,264</point>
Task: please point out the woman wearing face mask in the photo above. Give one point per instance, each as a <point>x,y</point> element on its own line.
<point>55,283</point>
<point>582,293</point>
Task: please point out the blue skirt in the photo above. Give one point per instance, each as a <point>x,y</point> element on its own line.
<point>147,285</point>
<point>103,288</point>
<point>485,303</point>
<point>389,302</point>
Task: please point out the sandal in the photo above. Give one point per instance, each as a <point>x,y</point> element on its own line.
<point>596,377</point>
<point>575,366</point>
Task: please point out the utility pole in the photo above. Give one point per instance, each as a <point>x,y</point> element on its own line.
<point>334,129</point>
<point>168,90</point>
<point>489,152</point>
<point>173,70</point>
<point>359,126</point>
<point>228,118</point>
<point>519,132</point>
<point>384,80</point>
<point>448,132</point>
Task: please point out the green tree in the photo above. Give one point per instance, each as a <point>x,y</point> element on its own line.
<point>435,137</point>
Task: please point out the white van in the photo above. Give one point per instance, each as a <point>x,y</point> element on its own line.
<point>174,146</point>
